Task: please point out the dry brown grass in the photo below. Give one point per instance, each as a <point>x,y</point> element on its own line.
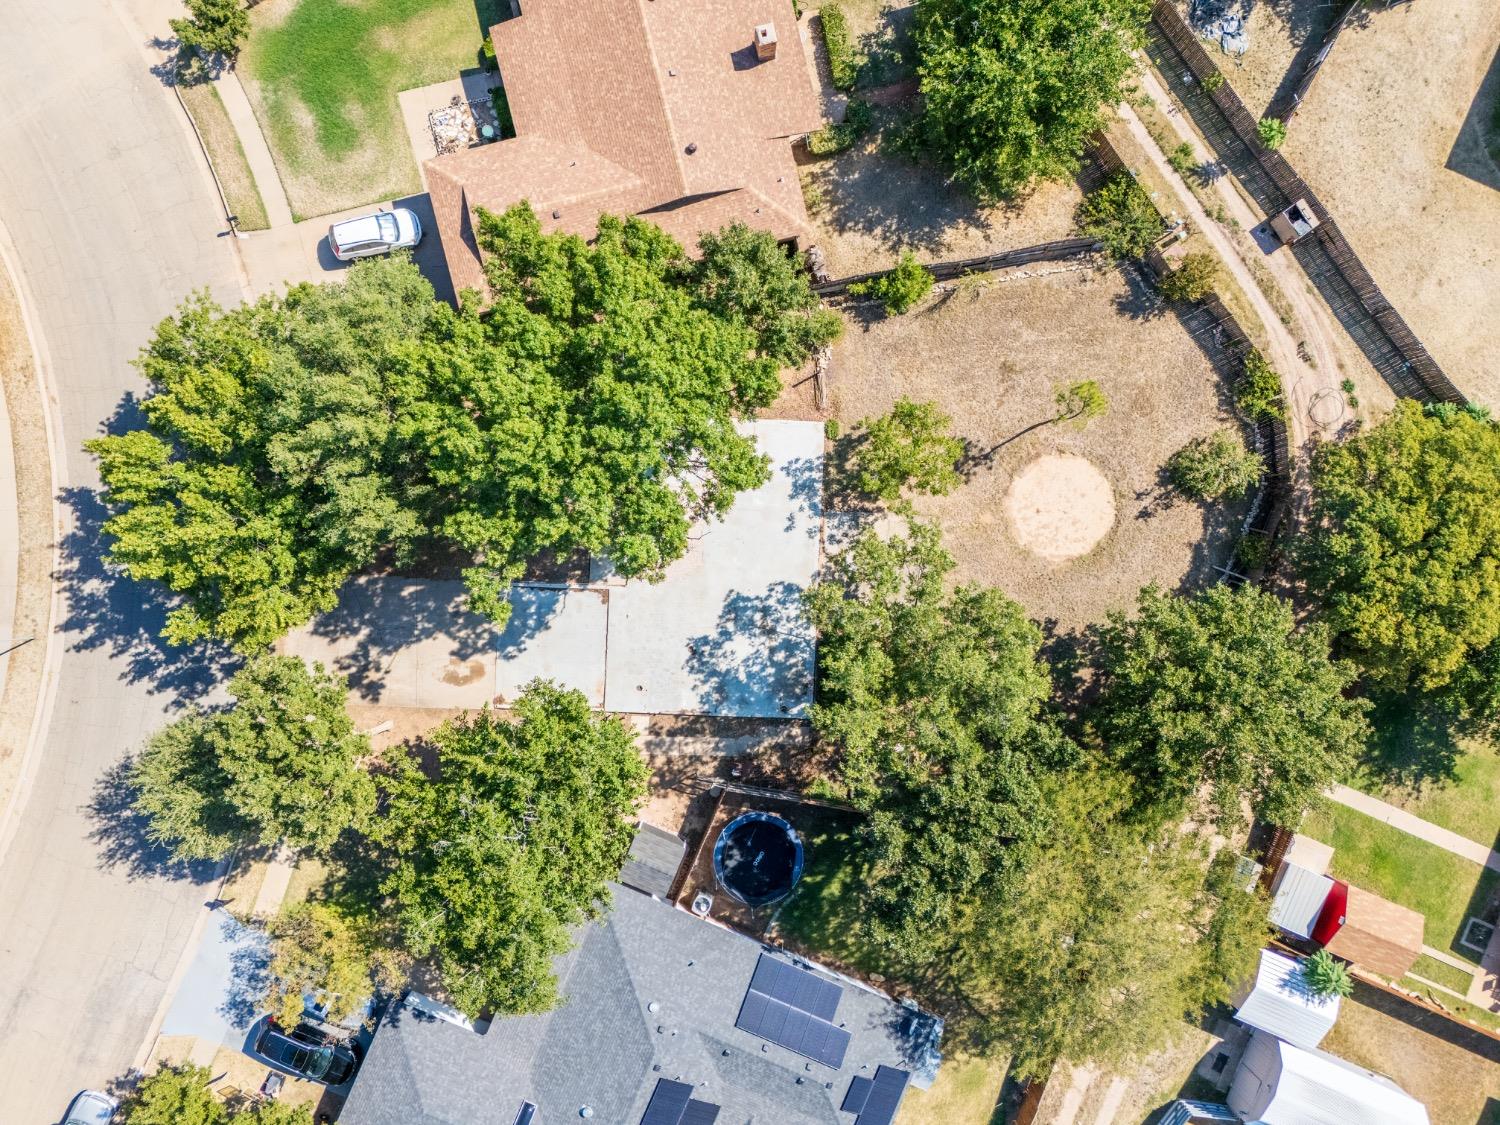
<point>1392,137</point>
<point>993,357</point>
<point>1456,1086</point>
<point>226,154</point>
<point>877,203</point>
<point>1284,36</point>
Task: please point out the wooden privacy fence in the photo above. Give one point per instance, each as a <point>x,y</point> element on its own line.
<point>1330,262</point>
<point>1057,251</point>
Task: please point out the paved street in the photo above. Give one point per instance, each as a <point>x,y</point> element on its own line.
<point>113,220</point>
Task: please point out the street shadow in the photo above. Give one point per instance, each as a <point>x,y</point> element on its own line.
<point>759,658</point>
<point>121,833</point>
<point>109,612</point>
<point>1476,149</point>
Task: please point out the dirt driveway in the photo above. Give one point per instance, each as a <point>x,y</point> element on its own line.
<point>1392,137</point>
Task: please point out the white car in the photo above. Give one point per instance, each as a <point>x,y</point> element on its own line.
<point>91,1108</point>
<point>380,233</point>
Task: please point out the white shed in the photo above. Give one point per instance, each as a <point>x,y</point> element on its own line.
<point>1297,899</point>
<point>1279,1084</point>
<point>1280,1002</point>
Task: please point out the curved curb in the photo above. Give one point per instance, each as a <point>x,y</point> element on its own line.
<point>17,770</point>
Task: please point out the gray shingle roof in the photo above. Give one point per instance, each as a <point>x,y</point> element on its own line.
<point>655,856</point>
<point>604,1048</point>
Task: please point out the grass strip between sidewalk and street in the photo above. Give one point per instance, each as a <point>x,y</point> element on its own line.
<point>226,154</point>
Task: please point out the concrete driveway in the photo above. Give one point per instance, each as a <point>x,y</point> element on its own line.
<point>114,220</point>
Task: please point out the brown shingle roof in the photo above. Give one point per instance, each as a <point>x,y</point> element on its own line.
<point>608,95</point>
<point>1378,934</point>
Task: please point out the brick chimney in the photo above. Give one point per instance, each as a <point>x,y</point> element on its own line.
<point>765,42</point>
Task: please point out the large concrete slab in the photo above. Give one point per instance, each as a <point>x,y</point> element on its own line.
<point>723,632</point>
<point>405,643</point>
<point>557,633</point>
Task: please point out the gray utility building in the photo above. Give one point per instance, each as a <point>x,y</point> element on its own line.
<point>668,1020</point>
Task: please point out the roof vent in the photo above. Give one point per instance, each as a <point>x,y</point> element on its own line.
<point>765,42</point>
<point>692,148</point>
<point>586,1111</point>
<point>654,1007</point>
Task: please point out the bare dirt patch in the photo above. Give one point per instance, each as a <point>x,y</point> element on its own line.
<point>1393,137</point>
<point>1060,506</point>
<point>993,358</point>
<point>870,203</point>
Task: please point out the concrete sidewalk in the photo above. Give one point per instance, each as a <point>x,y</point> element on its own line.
<point>257,152</point>
<point>1416,826</point>
<point>10,536</point>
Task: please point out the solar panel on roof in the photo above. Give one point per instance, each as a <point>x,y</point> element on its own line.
<point>797,987</point>
<point>700,1113</point>
<point>886,1090</point>
<point>859,1092</point>
<point>799,1031</point>
<point>668,1102</point>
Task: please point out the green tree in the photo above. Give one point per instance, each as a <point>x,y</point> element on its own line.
<point>281,764</point>
<point>213,27</point>
<point>592,405</point>
<point>1215,467</point>
<point>1326,975</point>
<point>1013,89</point>
<point>1402,549</point>
<point>1081,403</point>
<point>1219,699</point>
<point>1107,938</point>
<point>175,1095</point>
<point>934,703</point>
<point>909,447</point>
<point>748,276</point>
<point>511,845</point>
<point>1121,216</point>
<point>1195,277</point>
<point>1258,391</point>
<point>270,466</point>
<point>1272,131</point>
<point>901,288</point>
<point>318,950</point>
<point>275,1113</point>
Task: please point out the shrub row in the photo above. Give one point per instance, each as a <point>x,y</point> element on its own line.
<point>841,61</point>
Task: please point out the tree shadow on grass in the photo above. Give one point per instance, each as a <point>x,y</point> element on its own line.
<point>1412,743</point>
<point>122,833</point>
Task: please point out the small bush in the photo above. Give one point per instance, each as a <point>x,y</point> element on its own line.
<point>1080,402</point>
<point>1326,976</point>
<point>840,46</point>
<point>814,198</point>
<point>501,105</point>
<point>1182,158</point>
<point>1253,552</point>
<point>487,53</point>
<point>1121,216</point>
<point>1214,467</point>
<point>1213,82</point>
<point>900,289</point>
<point>908,448</point>
<point>1258,393</point>
<point>831,429</point>
<point>1194,278</point>
<point>832,138</point>
<point>1272,132</point>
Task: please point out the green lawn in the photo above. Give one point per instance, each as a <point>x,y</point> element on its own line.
<point>965,1093</point>
<point>1442,973</point>
<point>1444,887</point>
<point>323,76</point>
<point>822,917</point>
<point>1419,762</point>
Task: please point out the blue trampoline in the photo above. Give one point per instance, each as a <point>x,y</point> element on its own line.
<point>758,858</point>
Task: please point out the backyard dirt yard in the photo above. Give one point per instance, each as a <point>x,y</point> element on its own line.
<point>1458,1086</point>
<point>1034,516</point>
<point>869,203</point>
<point>1393,137</point>
<point>1284,36</point>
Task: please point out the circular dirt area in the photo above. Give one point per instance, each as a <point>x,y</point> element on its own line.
<point>1060,506</point>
